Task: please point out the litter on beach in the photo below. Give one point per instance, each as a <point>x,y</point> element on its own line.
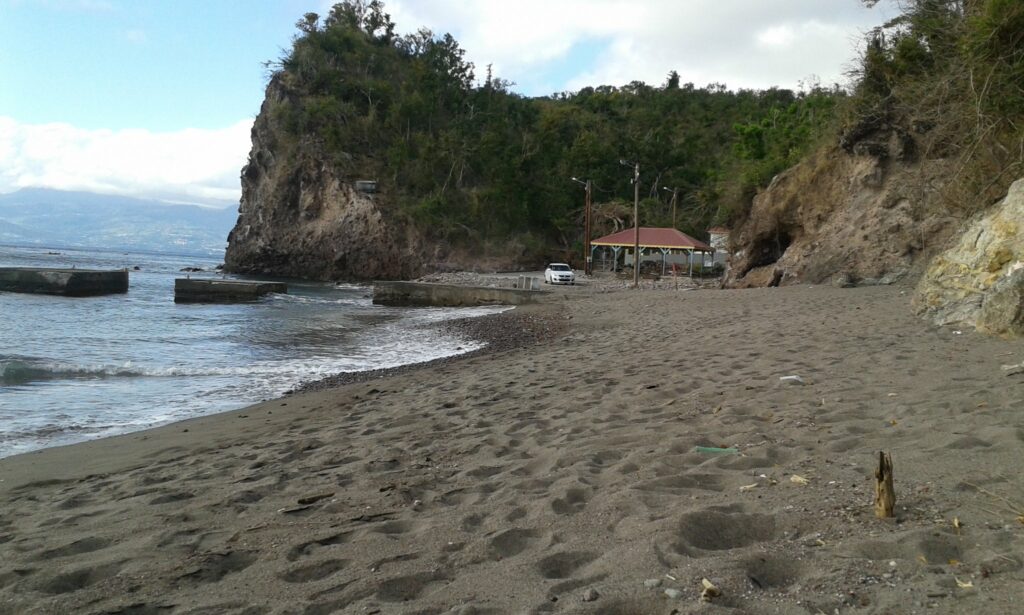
<point>714,450</point>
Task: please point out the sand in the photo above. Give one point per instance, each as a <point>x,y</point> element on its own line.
<point>563,477</point>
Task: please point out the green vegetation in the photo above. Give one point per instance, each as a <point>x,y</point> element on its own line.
<point>478,165</point>
<point>948,75</point>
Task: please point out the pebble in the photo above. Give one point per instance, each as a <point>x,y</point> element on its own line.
<point>652,583</point>
<point>674,594</point>
<point>590,595</point>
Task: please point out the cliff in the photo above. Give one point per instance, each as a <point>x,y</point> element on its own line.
<point>299,217</point>
<point>867,213</point>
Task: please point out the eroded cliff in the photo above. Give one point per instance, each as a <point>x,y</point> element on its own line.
<point>301,217</point>
<point>868,213</point>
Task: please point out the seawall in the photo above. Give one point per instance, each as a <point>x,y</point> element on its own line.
<point>66,282</point>
<point>223,291</point>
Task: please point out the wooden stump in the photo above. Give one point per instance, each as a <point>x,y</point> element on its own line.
<point>885,494</point>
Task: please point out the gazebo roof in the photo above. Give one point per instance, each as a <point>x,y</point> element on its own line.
<point>666,238</point>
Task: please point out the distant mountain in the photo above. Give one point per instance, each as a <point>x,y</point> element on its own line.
<point>57,218</point>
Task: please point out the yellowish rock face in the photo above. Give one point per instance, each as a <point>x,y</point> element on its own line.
<point>957,281</point>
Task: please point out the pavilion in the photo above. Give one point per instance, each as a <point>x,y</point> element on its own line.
<point>666,240</point>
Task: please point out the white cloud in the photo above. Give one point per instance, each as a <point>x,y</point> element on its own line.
<point>191,165</point>
<point>743,43</point>
<point>136,36</point>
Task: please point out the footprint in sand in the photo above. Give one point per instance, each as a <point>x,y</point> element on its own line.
<point>215,566</point>
<point>564,565</point>
<point>78,579</point>
<point>511,542</point>
<point>313,572</point>
<point>574,500</point>
<point>78,547</point>
<point>721,530</point>
<point>408,587</point>
<point>772,571</point>
<point>307,549</point>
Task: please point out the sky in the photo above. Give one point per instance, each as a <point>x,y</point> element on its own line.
<point>156,98</point>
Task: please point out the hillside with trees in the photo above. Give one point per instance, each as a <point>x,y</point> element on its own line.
<point>931,135</point>
<point>471,166</point>
<point>870,180</point>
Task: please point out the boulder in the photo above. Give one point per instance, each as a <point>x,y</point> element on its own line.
<point>1002,309</point>
<point>980,273</point>
<point>843,280</point>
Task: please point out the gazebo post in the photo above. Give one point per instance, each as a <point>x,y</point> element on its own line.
<point>689,260</point>
<point>664,257</point>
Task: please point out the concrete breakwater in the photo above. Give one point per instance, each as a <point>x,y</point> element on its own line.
<point>447,295</point>
<point>66,282</point>
<point>223,291</point>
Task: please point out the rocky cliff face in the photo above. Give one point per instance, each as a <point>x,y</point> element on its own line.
<point>866,212</point>
<point>979,280</point>
<point>299,217</point>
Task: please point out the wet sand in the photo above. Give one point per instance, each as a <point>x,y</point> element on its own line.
<point>564,477</point>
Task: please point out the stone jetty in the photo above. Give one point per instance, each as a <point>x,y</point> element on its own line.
<point>66,282</point>
<point>223,291</point>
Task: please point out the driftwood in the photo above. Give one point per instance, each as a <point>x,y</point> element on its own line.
<point>885,494</point>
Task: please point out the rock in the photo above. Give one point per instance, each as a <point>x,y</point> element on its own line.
<point>652,583</point>
<point>590,595</point>
<point>674,594</point>
<point>301,216</point>
<point>1002,309</point>
<point>843,280</point>
<point>761,277</point>
<point>982,267</point>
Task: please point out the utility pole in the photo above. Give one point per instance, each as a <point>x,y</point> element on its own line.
<point>588,266</point>
<point>636,225</point>
<point>587,259</point>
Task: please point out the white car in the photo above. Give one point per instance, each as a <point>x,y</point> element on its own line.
<point>559,273</point>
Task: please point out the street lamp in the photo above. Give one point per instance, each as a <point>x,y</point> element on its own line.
<point>675,193</point>
<point>636,219</point>
<point>587,267</point>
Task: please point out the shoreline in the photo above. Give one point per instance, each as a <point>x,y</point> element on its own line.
<point>514,328</point>
<point>524,325</point>
<point>566,477</point>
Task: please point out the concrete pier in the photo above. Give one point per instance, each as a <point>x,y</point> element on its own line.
<point>66,282</point>
<point>223,291</point>
<point>446,295</point>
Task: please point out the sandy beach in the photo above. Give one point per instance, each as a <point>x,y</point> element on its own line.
<point>564,476</point>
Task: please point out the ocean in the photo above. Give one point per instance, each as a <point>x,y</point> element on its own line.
<point>73,369</point>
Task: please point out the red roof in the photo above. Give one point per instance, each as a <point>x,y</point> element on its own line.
<point>654,238</point>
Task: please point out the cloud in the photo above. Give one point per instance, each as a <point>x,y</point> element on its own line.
<point>191,165</point>
<point>136,36</point>
<point>742,43</point>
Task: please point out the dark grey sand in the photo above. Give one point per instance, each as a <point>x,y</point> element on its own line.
<point>562,476</point>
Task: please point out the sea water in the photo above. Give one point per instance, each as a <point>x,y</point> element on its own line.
<point>73,369</point>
